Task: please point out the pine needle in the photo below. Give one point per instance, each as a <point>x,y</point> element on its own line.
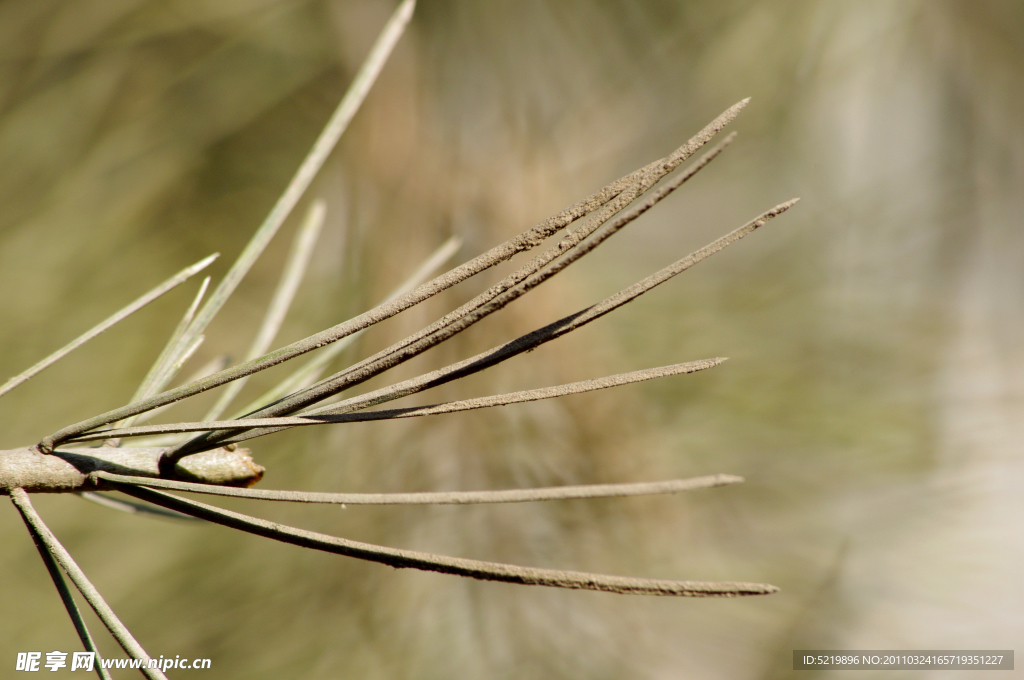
<point>42,533</point>
<point>314,160</point>
<point>555,493</point>
<point>124,313</point>
<point>162,371</point>
<point>487,571</point>
<point>294,271</point>
<point>489,358</point>
<point>70,605</point>
<point>620,194</point>
<point>132,508</point>
<point>327,415</point>
<point>311,371</point>
<point>209,368</point>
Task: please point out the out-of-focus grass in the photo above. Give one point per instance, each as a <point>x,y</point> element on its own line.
<point>872,398</point>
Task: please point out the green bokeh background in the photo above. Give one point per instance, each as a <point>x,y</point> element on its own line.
<point>874,397</point>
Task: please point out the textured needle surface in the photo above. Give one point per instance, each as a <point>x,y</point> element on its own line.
<point>487,571</point>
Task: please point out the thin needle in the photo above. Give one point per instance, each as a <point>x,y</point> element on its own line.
<point>124,313</point>
<point>69,604</point>
<point>335,414</point>
<point>294,271</point>
<point>314,160</point>
<point>132,508</point>
<point>486,571</point>
<point>40,531</point>
<point>209,368</point>
<point>516,284</point>
<point>308,373</point>
<point>554,493</point>
<point>507,350</point>
<point>162,370</point>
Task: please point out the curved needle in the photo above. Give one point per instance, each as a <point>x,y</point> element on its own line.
<point>486,571</point>
<point>552,493</point>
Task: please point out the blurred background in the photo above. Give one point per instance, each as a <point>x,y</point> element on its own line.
<point>873,397</point>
